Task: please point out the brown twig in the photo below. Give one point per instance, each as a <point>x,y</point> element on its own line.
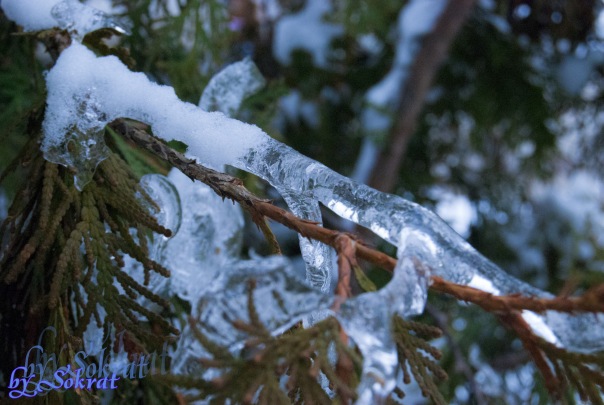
<point>591,301</point>
<point>516,322</point>
<point>345,247</point>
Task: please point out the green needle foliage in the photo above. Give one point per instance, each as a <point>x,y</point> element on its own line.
<point>63,254</point>
<point>286,369</point>
<point>275,369</point>
<point>419,358</point>
<point>579,372</point>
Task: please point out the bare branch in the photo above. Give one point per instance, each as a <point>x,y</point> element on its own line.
<point>428,60</point>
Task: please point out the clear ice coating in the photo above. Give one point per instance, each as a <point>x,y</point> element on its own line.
<point>281,298</point>
<point>209,239</point>
<point>167,210</point>
<point>228,88</point>
<point>83,147</point>
<point>79,19</point>
<point>436,249</point>
<point>320,259</point>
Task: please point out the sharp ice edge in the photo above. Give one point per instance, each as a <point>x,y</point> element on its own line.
<point>228,88</point>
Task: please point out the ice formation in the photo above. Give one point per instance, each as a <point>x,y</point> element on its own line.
<point>208,241</point>
<point>80,19</point>
<point>83,147</point>
<point>213,137</point>
<point>86,92</point>
<point>75,17</point>
<point>227,90</point>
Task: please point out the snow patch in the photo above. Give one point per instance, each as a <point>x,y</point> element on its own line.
<point>306,30</point>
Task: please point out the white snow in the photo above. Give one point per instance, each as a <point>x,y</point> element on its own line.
<point>415,20</point>
<point>456,210</point>
<point>294,107</point>
<point>483,284</point>
<point>79,78</point>
<point>306,30</point>
<point>79,19</point>
<point>32,15</point>
<point>540,327</point>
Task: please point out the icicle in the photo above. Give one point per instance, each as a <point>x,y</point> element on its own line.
<point>83,147</point>
<point>225,93</point>
<point>387,215</point>
<point>320,259</point>
<point>368,317</point>
<point>216,139</point>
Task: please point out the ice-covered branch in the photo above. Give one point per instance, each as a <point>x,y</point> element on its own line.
<point>508,308</point>
<point>228,186</point>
